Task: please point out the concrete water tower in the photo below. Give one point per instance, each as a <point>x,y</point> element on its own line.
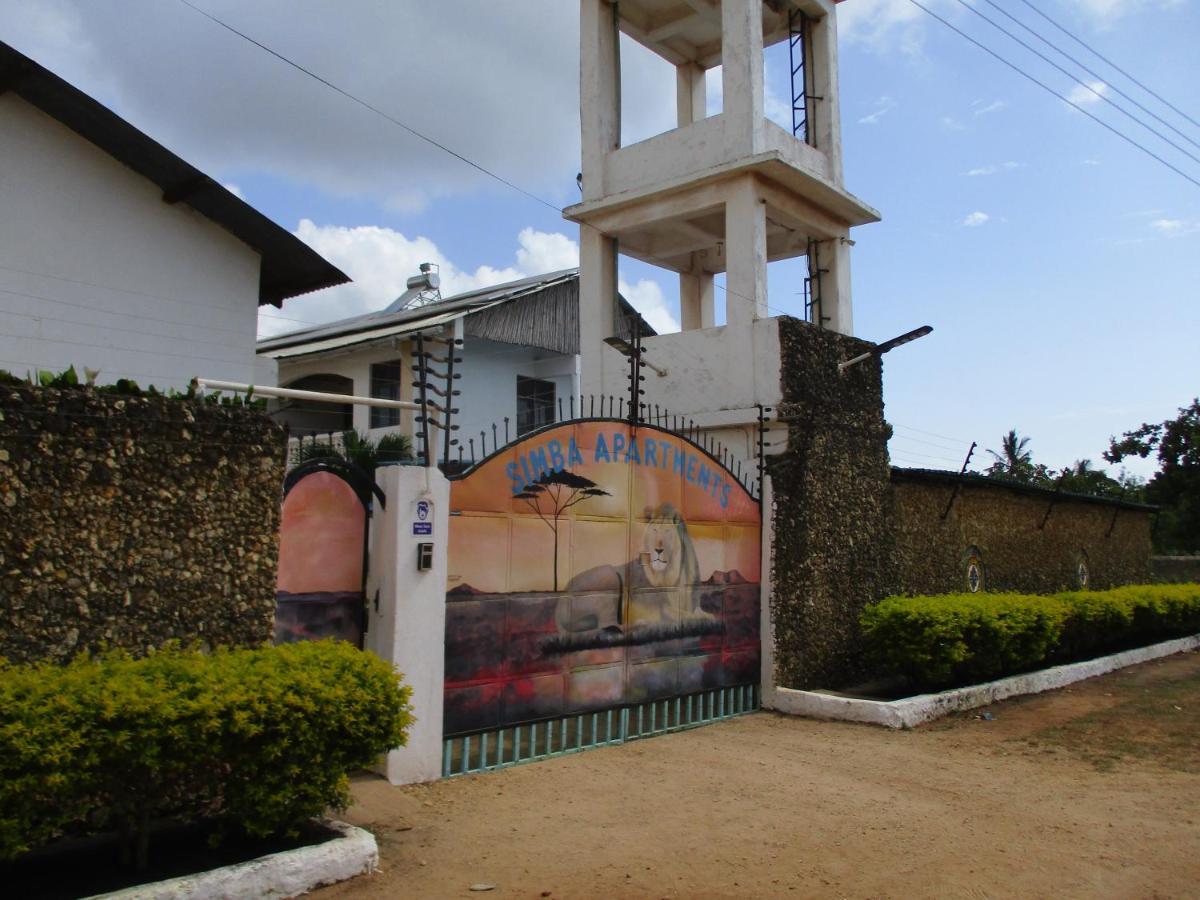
<point>726,193</point>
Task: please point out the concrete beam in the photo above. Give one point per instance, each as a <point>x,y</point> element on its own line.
<point>599,91</point>
<point>745,251</point>
<point>697,304</point>
<point>742,71</point>
<point>690,95</point>
<point>597,305</point>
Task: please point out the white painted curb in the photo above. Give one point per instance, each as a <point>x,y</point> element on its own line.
<point>288,873</point>
<point>913,711</point>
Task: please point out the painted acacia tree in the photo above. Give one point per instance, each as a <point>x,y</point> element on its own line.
<point>561,490</point>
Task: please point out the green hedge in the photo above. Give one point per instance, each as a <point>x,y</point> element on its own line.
<point>259,739</point>
<point>956,639</point>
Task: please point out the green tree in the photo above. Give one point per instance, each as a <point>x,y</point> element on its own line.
<point>361,450</point>
<point>1014,462</point>
<point>1084,478</point>
<point>1176,486</point>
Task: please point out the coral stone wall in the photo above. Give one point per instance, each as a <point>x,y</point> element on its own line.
<point>830,513</point>
<point>1176,568</point>
<point>1005,526</point>
<point>133,520</point>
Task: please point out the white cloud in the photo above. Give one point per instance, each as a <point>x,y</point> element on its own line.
<point>883,106</point>
<point>1173,228</point>
<point>1091,162</point>
<point>1105,12</point>
<point>647,298</point>
<point>949,123</point>
<point>234,189</point>
<point>993,169</point>
<point>994,106</point>
<point>975,219</point>
<point>231,109</point>
<point>881,25</point>
<point>1084,95</point>
<point>380,261</point>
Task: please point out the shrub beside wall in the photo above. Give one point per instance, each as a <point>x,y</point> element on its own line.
<point>958,639</point>
<point>133,520</point>
<point>260,738</point>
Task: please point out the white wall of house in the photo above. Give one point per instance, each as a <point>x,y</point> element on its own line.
<point>97,271</point>
<point>488,384</point>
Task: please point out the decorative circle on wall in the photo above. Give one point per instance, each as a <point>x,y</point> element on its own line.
<point>1082,573</point>
<point>975,572</point>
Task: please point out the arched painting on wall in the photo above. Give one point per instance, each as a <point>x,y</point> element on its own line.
<point>323,553</point>
<point>597,564</point>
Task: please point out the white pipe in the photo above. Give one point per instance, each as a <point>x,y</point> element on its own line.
<point>292,394</point>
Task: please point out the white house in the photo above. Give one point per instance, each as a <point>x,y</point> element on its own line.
<point>117,255</point>
<point>520,360</point>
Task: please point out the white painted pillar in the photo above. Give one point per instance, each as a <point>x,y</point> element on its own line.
<point>696,301</point>
<point>408,628</point>
<point>742,73</point>
<point>745,254</point>
<point>826,111</point>
<point>599,90</point>
<point>835,286</point>
<point>690,95</point>
<point>597,305</point>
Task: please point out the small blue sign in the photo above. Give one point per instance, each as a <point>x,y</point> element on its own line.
<point>422,527</point>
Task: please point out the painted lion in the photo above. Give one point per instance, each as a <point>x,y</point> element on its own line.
<point>658,588</point>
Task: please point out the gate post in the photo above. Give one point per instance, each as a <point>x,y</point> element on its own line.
<point>766,629</point>
<point>407,608</point>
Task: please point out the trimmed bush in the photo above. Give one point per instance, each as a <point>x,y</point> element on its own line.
<point>956,639</point>
<point>258,739</point>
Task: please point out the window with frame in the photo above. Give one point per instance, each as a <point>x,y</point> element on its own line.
<point>385,385</point>
<point>535,404</point>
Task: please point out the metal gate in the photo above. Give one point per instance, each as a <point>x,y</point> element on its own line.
<point>603,586</point>
<point>323,552</point>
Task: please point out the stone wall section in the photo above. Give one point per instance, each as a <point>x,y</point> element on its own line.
<point>831,514</point>
<point>132,520</point>
<point>1005,525</point>
<point>1176,568</point>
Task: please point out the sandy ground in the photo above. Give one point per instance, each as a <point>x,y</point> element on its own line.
<point>1090,791</point>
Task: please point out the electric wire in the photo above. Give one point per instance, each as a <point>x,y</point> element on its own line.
<point>1093,50</point>
<point>1051,91</point>
<point>433,142</point>
<point>1099,94</point>
<point>1092,72</point>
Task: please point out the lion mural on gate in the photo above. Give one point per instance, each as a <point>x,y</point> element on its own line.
<point>659,588</point>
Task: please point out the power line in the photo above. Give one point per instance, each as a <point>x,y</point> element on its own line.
<point>1099,94</point>
<point>1093,50</point>
<point>371,107</point>
<point>931,433</point>
<point>1051,91</point>
<point>1091,71</point>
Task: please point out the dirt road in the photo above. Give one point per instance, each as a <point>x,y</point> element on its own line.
<point>1090,791</point>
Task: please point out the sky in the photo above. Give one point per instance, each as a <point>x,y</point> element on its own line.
<point>1057,264</point>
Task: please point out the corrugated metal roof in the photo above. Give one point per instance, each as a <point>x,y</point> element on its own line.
<point>289,266</point>
<point>546,317</point>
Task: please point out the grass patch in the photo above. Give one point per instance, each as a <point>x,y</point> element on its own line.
<point>1152,721</point>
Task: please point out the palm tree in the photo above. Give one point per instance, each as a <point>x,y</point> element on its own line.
<point>1013,459</point>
